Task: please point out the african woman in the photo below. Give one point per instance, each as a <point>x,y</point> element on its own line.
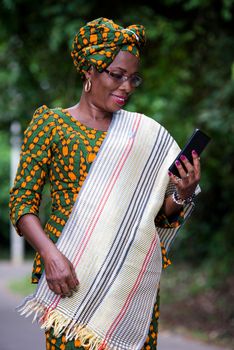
<point>115,208</point>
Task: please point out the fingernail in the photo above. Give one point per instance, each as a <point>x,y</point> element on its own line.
<point>169,173</point>
<point>194,152</point>
<point>177,163</point>
<point>183,157</point>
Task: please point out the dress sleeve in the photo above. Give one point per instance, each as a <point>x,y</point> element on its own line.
<point>168,227</point>
<point>162,220</point>
<point>35,157</point>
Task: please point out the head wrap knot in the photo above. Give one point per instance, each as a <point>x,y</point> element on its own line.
<point>99,41</point>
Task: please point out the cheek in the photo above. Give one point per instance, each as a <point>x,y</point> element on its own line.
<point>101,90</point>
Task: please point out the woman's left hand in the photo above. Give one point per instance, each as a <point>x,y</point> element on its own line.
<point>189,178</point>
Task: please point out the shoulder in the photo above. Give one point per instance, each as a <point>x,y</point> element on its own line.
<point>151,126</point>
<point>144,118</point>
<point>164,136</point>
<point>45,115</point>
<point>42,114</point>
<point>154,123</point>
<point>147,122</point>
<point>42,119</point>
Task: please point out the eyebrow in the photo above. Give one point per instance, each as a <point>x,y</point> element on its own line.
<point>124,70</point>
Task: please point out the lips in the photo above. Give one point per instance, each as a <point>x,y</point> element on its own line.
<point>120,100</point>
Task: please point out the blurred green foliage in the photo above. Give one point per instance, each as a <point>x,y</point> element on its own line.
<point>22,286</point>
<point>187,66</point>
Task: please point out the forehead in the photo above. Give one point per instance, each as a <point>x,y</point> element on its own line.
<point>126,61</point>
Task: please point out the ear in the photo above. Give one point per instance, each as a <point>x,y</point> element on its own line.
<point>89,73</point>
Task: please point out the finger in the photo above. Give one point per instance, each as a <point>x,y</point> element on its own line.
<point>174,179</point>
<point>187,164</point>
<point>181,170</point>
<point>196,163</point>
<point>66,291</point>
<point>55,288</point>
<point>74,275</point>
<point>70,279</point>
<point>71,282</point>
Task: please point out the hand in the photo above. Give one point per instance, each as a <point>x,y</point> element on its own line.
<point>189,180</point>
<point>60,274</point>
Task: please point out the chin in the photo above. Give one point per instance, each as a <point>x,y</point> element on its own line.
<point>112,109</point>
<point>116,108</point>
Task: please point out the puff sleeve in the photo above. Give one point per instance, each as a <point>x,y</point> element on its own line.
<point>35,157</point>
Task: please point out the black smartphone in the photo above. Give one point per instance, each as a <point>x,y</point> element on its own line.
<point>198,141</point>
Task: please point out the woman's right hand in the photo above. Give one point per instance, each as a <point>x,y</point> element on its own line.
<point>60,273</point>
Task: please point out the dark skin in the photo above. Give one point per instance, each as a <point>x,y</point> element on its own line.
<point>95,110</point>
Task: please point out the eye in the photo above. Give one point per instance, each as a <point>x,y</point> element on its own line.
<point>136,80</point>
<point>116,75</point>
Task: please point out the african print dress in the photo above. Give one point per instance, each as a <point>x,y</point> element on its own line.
<point>58,147</point>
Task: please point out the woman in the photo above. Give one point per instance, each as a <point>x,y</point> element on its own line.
<point>100,287</point>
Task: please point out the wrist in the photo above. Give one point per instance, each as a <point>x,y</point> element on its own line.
<point>48,250</point>
<point>182,201</point>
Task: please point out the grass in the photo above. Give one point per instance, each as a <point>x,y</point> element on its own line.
<point>22,287</point>
<point>187,282</point>
<point>192,305</point>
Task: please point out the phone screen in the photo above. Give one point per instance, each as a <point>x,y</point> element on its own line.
<point>198,141</point>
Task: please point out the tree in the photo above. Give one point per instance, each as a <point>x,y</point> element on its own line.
<point>188,70</point>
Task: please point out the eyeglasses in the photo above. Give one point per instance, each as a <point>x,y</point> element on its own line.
<point>134,79</point>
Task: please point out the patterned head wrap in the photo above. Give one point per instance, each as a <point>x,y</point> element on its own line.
<point>98,42</point>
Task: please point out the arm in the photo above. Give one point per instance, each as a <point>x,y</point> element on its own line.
<point>170,208</point>
<point>60,273</point>
<point>172,216</point>
<point>185,186</point>
<point>25,198</point>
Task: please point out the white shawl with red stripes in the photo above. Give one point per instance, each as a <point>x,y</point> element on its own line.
<point>111,239</point>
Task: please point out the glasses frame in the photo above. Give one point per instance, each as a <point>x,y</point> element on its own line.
<point>123,78</point>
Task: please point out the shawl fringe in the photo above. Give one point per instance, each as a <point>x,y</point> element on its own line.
<point>62,325</point>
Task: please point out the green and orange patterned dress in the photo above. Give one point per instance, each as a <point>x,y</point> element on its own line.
<point>58,147</point>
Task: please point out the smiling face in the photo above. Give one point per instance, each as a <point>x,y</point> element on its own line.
<point>108,93</point>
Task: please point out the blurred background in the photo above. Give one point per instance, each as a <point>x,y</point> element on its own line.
<point>188,70</point>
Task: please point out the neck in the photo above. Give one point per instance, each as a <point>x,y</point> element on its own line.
<point>86,110</point>
<point>89,114</point>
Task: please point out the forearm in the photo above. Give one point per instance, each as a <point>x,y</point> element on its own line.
<point>60,274</point>
<point>31,228</point>
<point>171,208</point>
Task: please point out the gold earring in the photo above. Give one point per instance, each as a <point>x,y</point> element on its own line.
<point>88,85</point>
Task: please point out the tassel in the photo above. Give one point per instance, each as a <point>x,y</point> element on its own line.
<point>61,324</point>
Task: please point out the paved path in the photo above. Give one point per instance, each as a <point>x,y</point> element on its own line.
<point>18,333</point>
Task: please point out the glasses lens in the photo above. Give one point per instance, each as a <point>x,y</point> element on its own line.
<point>116,76</point>
<point>136,80</point>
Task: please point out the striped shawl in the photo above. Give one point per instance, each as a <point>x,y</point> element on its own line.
<point>111,239</point>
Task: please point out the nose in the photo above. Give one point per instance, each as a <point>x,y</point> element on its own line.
<point>127,86</point>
